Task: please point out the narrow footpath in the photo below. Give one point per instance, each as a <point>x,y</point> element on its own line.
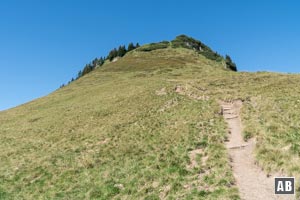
<point>252,182</point>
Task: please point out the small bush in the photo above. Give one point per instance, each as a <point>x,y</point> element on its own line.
<point>154,46</point>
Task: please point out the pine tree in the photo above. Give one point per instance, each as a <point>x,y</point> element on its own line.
<point>79,74</point>
<point>112,54</point>
<point>130,47</point>
<point>87,69</point>
<point>122,51</point>
<point>230,64</point>
<point>100,61</point>
<point>95,62</point>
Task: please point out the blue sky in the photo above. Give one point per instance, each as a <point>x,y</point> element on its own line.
<point>45,43</point>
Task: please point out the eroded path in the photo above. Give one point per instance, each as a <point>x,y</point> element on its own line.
<point>252,182</point>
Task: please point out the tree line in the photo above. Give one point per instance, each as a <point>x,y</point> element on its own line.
<point>179,41</point>
<point>98,62</point>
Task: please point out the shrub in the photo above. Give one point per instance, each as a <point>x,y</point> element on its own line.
<point>154,46</point>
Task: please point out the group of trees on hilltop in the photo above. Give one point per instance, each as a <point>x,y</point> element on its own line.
<point>98,62</point>
<point>121,51</point>
<point>180,41</point>
<point>90,67</point>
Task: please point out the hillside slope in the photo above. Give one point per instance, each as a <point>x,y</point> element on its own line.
<point>146,127</point>
<point>121,131</point>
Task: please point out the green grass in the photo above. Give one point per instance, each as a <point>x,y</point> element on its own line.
<point>110,135</point>
<point>123,132</point>
<point>269,114</point>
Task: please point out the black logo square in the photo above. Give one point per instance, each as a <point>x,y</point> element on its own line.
<point>284,185</point>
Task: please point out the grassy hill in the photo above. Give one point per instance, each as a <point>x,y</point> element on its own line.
<point>128,130</point>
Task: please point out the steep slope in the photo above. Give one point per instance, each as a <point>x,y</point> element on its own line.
<point>125,130</point>
<point>148,126</point>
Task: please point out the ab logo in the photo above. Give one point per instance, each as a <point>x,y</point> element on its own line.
<point>285,185</point>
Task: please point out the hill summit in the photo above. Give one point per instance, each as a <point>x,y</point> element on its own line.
<point>181,41</point>
<point>146,122</point>
<point>123,129</point>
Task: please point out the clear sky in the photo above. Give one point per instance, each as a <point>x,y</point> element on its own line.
<point>45,43</point>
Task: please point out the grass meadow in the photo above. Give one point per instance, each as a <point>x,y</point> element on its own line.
<point>127,130</point>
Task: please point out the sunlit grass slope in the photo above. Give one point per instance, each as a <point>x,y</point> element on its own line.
<point>128,130</point>
<point>124,131</point>
<point>270,114</point>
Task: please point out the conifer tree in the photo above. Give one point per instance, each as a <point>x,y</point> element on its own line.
<point>100,61</point>
<point>79,74</point>
<point>112,54</point>
<point>122,51</point>
<point>230,64</point>
<point>130,46</point>
<point>95,62</point>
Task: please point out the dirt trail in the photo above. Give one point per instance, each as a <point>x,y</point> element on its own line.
<point>252,182</point>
